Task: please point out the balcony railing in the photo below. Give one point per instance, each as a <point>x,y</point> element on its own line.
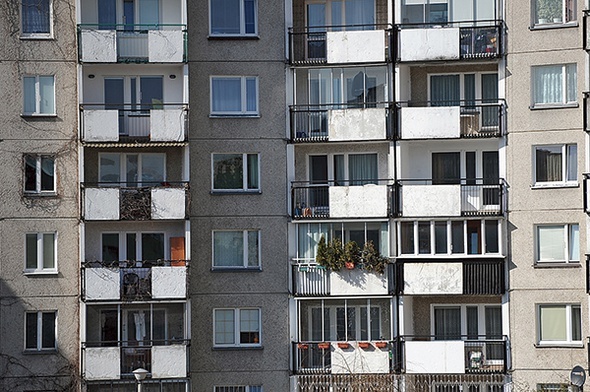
<point>341,44</point>
<point>314,201</point>
<point>469,119</point>
<point>478,276</point>
<point>137,43</point>
<point>451,197</point>
<point>156,122</point>
<point>330,122</point>
<point>168,385</point>
<point>481,39</point>
<point>135,280</point>
<point>119,358</point>
<point>135,201</point>
<point>480,354</point>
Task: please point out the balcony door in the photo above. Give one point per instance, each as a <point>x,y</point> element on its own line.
<point>128,13</point>
<point>474,322</point>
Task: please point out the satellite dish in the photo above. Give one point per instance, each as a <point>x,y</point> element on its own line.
<point>578,376</point>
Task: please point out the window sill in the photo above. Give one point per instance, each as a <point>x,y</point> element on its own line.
<point>236,192</point>
<point>238,115</point>
<point>40,195</point>
<point>557,345</point>
<point>551,26</point>
<point>40,272</point>
<point>571,264</point>
<point>236,348</point>
<point>40,352</point>
<point>222,37</point>
<point>554,185</point>
<point>36,37</point>
<point>554,106</point>
<point>38,115</point>
<point>236,269</point>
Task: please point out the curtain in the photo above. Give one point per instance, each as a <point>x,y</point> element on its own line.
<point>493,316</point>
<point>360,12</point>
<point>549,164</point>
<point>553,323</point>
<point>228,248</point>
<point>49,250</point>
<point>107,14</point>
<point>576,323</point>
<point>225,17</point>
<point>472,322</point>
<point>362,169</point>
<point>445,90</point>
<point>35,16</point>
<point>228,171</point>
<point>447,323</point>
<point>46,95</point>
<point>226,94</point>
<point>252,171</point>
<point>140,328</point>
<point>548,84</point>
<point>446,168</point>
<point>252,249</point>
<point>551,243</point>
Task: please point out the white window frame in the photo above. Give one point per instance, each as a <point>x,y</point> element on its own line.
<point>39,345</point>
<point>237,388</point>
<point>237,329</point>
<point>569,326</point>
<point>478,84</point>
<point>535,22</point>
<point>565,155</point>
<point>138,243</point>
<point>567,238</point>
<point>38,170</point>
<point>47,35</point>
<point>242,32</point>
<point>564,99</point>
<point>40,241</point>
<point>245,168</point>
<point>481,307</point>
<point>243,112</point>
<point>37,111</point>
<point>123,167</point>
<point>244,247</point>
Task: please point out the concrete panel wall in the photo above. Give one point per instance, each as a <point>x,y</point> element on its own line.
<point>431,122</point>
<point>358,201</point>
<point>431,200</point>
<point>356,281</point>
<point>433,278</point>
<point>356,124</point>
<point>165,46</point>
<point>102,284</point>
<point>429,44</point>
<point>435,357</point>
<point>355,46</point>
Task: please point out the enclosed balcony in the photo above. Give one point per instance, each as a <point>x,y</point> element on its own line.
<point>450,120</point>
<point>120,339</point>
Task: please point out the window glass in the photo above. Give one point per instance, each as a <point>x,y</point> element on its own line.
<point>552,11</point>
<point>31,250</point>
<point>31,332</point>
<point>48,250</point>
<point>229,248</point>
<point>554,84</point>
<point>560,323</point>
<point>48,330</point>
<point>36,17</point>
<point>234,95</point>
<point>30,173</point>
<point>224,326</point>
<point>440,233</point>
<point>40,331</point>
<point>39,174</point>
<point>152,246</point>
<point>407,237</point>
<point>40,252</point>
<point>249,326</point>
<point>492,245</point>
<point>225,17</point>
<point>38,95</point>
<point>229,171</point>
<point>424,237</point>
<point>558,243</point>
<point>110,247</point>
<point>110,168</point>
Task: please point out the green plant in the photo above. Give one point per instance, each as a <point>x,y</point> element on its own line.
<point>321,256</point>
<point>351,255</point>
<point>329,255</point>
<point>372,260</point>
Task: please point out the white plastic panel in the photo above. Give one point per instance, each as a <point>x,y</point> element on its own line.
<point>356,124</point>
<point>355,46</point>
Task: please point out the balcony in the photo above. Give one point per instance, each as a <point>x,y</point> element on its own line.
<point>448,277</point>
<point>450,120</point>
<point>450,355</point>
<point>449,198</point>
<point>341,122</point>
<point>313,280</point>
<point>132,43</point>
<point>350,44</point>
<point>477,40</point>
<point>120,201</point>
<point>342,199</point>
<point>115,360</point>
<point>135,281</point>
<point>134,123</point>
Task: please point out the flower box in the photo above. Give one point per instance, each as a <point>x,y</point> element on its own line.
<point>343,345</point>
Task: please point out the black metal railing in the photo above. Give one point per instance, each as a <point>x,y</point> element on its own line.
<point>479,196</point>
<point>311,200</point>
<point>481,39</point>
<point>312,357</point>
<point>483,354</point>
<point>309,45</point>
<point>169,385</point>
<point>310,123</point>
<point>132,39</point>
<point>135,120</point>
<point>478,118</point>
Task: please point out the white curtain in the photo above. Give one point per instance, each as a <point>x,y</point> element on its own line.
<point>574,243</point>
<point>35,16</point>
<point>548,82</point>
<point>46,95</point>
<point>140,330</point>
<point>362,169</point>
<point>551,243</point>
<point>228,248</point>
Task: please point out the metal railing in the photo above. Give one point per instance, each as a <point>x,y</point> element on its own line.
<point>310,123</point>
<point>309,45</point>
<point>479,118</point>
<point>168,385</point>
<point>132,39</point>
<point>311,200</point>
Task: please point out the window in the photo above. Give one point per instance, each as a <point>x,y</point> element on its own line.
<point>558,243</point>
<point>40,252</point>
<point>233,17</point>
<point>234,96</point>
<point>249,388</point>
<point>236,249</point>
<point>133,246</point>
<point>39,174</point>
<point>132,169</point>
<point>36,18</point>
<point>39,95</point>
<point>40,331</point>
<point>554,11</point>
<point>560,324</point>
<point>236,172</point>
<point>236,327</point>
<point>554,85</point>
<point>556,165</point>
<point>467,321</point>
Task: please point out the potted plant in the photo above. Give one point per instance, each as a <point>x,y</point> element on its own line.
<point>351,255</point>
<point>324,345</point>
<point>372,259</point>
<point>381,344</point>
<point>364,345</point>
<point>343,345</point>
<point>330,255</point>
<point>302,346</point>
<point>549,11</point>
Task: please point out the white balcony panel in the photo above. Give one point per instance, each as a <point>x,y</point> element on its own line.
<point>431,200</point>
<point>431,122</point>
<point>169,361</point>
<point>435,357</point>
<point>429,44</point>
<point>356,281</point>
<point>168,282</point>
<point>167,125</point>
<point>168,203</point>
<point>101,125</point>
<point>433,278</point>
<point>358,360</point>
<point>99,46</point>
<point>101,204</point>
<point>356,124</point>
<point>102,363</point>
<point>355,46</point>
<point>102,284</point>
<point>165,46</point>
<point>358,201</point>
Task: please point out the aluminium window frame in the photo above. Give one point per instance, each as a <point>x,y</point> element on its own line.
<point>123,168</point>
<point>38,173</point>
<point>40,270</point>
<point>244,265</point>
<point>37,112</point>
<point>569,342</point>
<point>48,35</point>
<point>237,329</point>
<point>39,344</point>
<point>565,155</point>
<point>242,17</point>
<point>245,169</point>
